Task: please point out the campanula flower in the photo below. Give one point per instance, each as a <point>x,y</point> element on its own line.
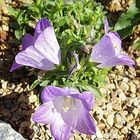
<point>66,110</point>
<point>40,51</point>
<point>108,51</point>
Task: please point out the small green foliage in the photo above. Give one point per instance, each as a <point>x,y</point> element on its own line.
<point>34,84</point>
<point>128,20</point>
<point>77,24</point>
<point>44,83</point>
<point>72,21</point>
<point>12,11</point>
<point>18,34</point>
<point>86,78</point>
<point>93,89</point>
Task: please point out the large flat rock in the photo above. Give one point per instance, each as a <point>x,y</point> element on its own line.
<point>8,133</point>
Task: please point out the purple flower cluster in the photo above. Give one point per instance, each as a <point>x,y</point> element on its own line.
<point>66,109</point>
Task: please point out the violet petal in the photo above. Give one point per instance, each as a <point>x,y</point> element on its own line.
<point>44,113</point>
<point>51,92</point>
<point>88,100</point>
<point>15,66</point>
<point>48,46</point>
<point>86,124</point>
<point>41,26</point>
<point>103,51</point>
<point>33,58</point>
<point>121,59</point>
<point>106,26</point>
<point>116,41</point>
<point>60,130</point>
<point>27,41</point>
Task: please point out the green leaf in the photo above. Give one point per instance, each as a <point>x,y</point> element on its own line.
<point>127,19</point>
<point>93,89</point>
<point>138,4</point>
<point>34,84</point>
<point>60,23</point>
<point>126,32</point>
<point>100,79</point>
<point>38,2</point>
<point>34,9</point>
<point>12,11</point>
<point>44,83</point>
<point>136,44</point>
<point>18,34</point>
<point>55,83</point>
<point>20,17</point>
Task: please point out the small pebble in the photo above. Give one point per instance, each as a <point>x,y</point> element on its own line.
<point>98,133</point>
<point>32,99</point>
<point>117,104</point>
<point>119,121</point>
<point>124,130</point>
<point>124,86</point>
<point>122,96</point>
<point>110,119</point>
<point>136,111</point>
<point>5,28</point>
<point>4,85</point>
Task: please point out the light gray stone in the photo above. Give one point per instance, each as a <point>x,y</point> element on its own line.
<point>8,133</point>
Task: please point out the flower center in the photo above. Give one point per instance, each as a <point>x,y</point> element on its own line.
<point>115,44</point>
<point>68,103</point>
